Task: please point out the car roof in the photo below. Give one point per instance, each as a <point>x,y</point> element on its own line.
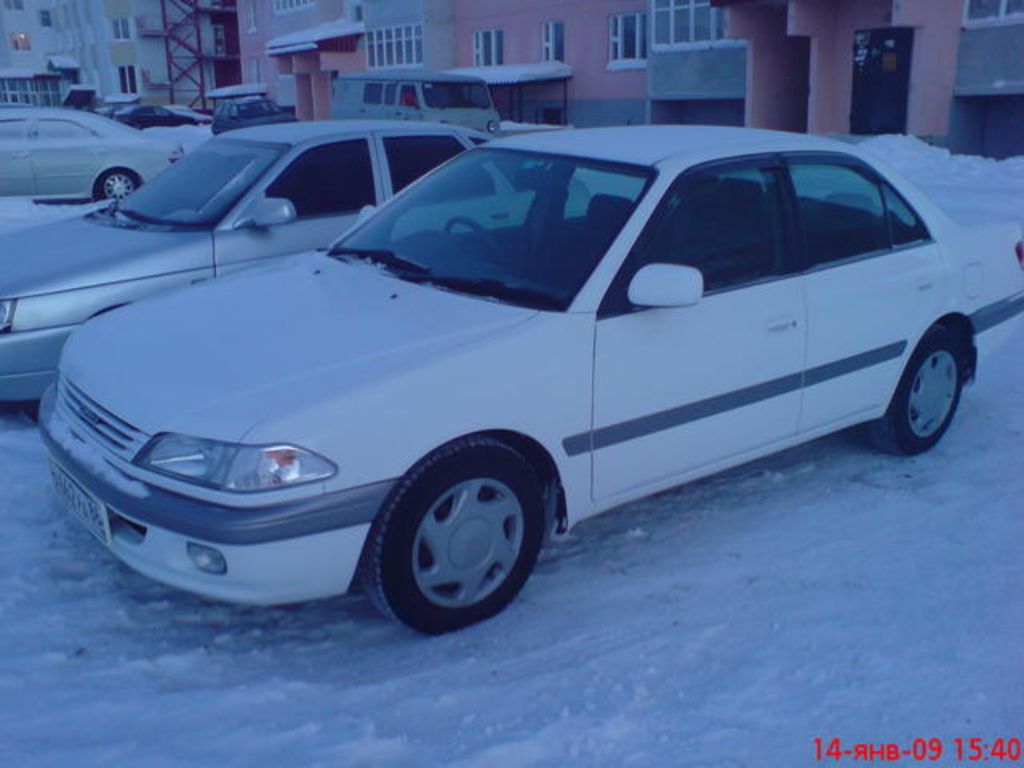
<point>296,133</point>
<point>413,75</point>
<point>653,144</point>
<point>82,116</point>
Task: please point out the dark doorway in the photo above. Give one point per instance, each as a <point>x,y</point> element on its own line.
<point>881,80</point>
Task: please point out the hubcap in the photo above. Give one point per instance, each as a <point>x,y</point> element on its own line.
<point>931,396</point>
<point>118,186</point>
<point>468,542</point>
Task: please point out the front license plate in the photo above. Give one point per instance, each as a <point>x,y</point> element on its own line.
<point>88,509</point>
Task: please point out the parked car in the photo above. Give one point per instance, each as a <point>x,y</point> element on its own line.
<point>406,95</point>
<point>50,153</point>
<point>248,111</point>
<point>153,115</point>
<point>235,201</point>
<point>545,328</point>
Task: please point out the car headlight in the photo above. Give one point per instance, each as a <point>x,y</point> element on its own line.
<point>7,314</point>
<point>232,467</point>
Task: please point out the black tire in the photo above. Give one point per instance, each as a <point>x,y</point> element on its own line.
<point>900,430</point>
<point>387,568</point>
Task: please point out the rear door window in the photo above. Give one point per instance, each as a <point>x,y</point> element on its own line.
<point>409,157</point>
<point>328,179</point>
<point>373,93</point>
<point>904,224</point>
<point>842,211</point>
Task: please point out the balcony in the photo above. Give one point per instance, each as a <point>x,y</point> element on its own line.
<point>152,81</point>
<point>150,26</point>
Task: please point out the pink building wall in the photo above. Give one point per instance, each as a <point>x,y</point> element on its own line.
<point>586,42</point>
<point>937,26</point>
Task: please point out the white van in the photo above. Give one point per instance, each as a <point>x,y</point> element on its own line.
<point>433,96</point>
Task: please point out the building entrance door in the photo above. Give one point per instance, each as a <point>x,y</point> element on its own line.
<point>881,80</point>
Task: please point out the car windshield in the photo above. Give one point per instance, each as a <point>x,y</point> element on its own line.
<point>456,96</point>
<point>253,109</point>
<point>200,188</point>
<point>521,227</point>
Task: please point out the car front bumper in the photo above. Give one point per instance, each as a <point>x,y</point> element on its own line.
<point>28,362</point>
<point>275,554</point>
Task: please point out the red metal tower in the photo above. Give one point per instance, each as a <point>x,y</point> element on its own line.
<point>188,52</point>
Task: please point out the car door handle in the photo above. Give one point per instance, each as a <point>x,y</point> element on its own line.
<point>780,323</point>
<point>925,285</point>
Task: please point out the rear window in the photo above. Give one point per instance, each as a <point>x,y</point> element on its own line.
<point>409,157</point>
<point>373,93</point>
<point>456,96</point>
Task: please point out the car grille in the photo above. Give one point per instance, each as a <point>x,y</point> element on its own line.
<point>94,421</point>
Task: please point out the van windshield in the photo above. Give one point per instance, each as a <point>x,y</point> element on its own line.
<point>456,96</point>
<point>200,188</point>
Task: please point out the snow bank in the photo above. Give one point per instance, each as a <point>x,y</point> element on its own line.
<point>969,188</point>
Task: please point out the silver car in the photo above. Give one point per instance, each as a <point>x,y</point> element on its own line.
<point>234,202</point>
<point>52,154</point>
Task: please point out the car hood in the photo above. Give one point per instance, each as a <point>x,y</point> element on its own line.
<point>289,335</point>
<point>85,251</point>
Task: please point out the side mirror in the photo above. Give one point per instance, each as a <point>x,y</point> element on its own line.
<point>267,212</point>
<point>666,285</point>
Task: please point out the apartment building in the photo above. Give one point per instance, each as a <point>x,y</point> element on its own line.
<point>558,61</point>
<point>153,51</point>
<point>29,74</point>
<point>946,69</point>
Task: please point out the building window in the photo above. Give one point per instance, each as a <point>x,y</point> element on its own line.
<point>687,21</point>
<point>395,46</point>
<point>250,15</point>
<point>45,19</point>
<point>121,29</point>
<point>552,41</point>
<point>20,41</point>
<point>14,5</point>
<point>126,77</point>
<point>488,47</point>
<point>283,6</point>
<point>627,37</point>
<point>983,10</point>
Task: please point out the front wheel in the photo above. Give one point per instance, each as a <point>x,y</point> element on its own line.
<point>926,398</point>
<point>458,538</point>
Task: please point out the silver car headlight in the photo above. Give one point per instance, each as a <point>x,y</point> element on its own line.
<point>7,314</point>
<point>232,467</point>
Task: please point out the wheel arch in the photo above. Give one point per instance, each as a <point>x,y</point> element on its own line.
<point>962,326</point>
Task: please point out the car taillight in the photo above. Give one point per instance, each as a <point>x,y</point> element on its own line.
<point>1020,253</point>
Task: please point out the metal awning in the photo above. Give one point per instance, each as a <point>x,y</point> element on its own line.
<point>308,39</point>
<point>518,74</point>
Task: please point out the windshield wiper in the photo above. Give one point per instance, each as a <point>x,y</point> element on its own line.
<point>498,289</point>
<point>384,258</point>
<point>135,216</point>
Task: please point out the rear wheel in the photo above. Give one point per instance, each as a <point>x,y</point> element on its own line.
<point>927,396</point>
<point>115,184</point>
<point>458,538</point>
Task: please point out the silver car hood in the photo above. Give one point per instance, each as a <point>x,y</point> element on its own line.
<point>85,251</point>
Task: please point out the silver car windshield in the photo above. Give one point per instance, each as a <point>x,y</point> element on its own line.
<point>522,227</point>
<point>201,187</point>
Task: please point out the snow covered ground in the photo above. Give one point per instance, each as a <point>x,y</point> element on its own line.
<point>830,591</point>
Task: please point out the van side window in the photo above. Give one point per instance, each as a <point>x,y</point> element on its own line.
<point>389,93</point>
<point>329,179</point>
<point>372,93</point>
<point>408,97</point>
<point>409,157</point>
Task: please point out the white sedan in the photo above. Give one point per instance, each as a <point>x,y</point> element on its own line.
<point>543,329</point>
<point>51,154</point>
